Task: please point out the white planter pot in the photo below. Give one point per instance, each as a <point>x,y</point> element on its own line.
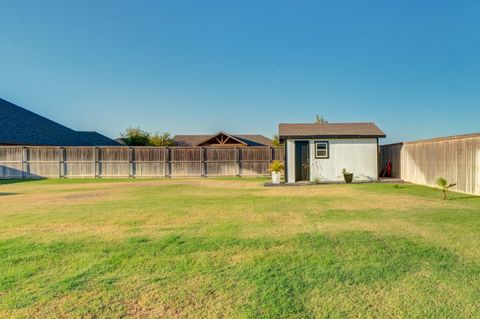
<point>276,177</point>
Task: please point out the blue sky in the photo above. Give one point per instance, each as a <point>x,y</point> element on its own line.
<point>413,67</point>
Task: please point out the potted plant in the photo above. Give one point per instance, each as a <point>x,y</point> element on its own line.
<point>276,168</point>
<point>347,176</point>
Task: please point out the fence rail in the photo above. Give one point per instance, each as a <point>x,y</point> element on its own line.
<point>97,162</point>
<point>455,158</point>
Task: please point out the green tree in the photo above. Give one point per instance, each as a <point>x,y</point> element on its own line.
<point>135,136</point>
<point>163,139</point>
<point>320,119</point>
<point>276,141</point>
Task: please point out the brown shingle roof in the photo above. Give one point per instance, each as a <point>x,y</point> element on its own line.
<point>249,139</point>
<point>189,140</point>
<point>314,130</point>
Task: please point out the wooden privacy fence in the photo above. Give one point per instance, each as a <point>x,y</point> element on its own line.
<point>74,162</point>
<point>455,158</point>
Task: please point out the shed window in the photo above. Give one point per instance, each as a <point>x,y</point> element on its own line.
<point>321,150</point>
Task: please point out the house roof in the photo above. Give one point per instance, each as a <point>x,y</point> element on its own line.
<point>247,139</point>
<point>332,130</point>
<point>97,139</point>
<point>23,127</point>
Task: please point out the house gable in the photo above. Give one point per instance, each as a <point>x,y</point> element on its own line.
<point>222,139</point>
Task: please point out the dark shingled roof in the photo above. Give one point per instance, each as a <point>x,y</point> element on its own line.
<point>250,140</point>
<point>19,126</point>
<point>97,139</point>
<point>333,130</point>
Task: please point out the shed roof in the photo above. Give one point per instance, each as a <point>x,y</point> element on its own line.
<point>23,127</point>
<point>332,130</point>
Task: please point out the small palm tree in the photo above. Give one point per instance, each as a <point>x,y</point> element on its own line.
<point>444,186</point>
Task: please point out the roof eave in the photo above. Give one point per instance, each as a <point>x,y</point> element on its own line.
<point>283,137</point>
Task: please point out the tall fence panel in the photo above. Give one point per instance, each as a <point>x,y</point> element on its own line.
<point>113,162</point>
<point>98,162</point>
<point>221,161</point>
<point>254,161</point>
<point>11,162</point>
<point>79,162</point>
<point>455,158</point>
<point>42,161</point>
<point>149,162</point>
<point>185,161</point>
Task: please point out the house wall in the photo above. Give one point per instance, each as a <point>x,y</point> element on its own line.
<point>358,156</point>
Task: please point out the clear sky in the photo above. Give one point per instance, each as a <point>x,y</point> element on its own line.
<point>413,67</point>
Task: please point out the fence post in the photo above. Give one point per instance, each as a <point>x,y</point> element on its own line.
<point>131,172</point>
<point>237,162</point>
<point>95,163</point>
<point>24,161</point>
<point>165,162</point>
<point>202,168</point>
<point>61,161</point>
<point>166,165</point>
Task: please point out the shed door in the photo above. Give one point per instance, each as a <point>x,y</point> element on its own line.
<point>302,155</point>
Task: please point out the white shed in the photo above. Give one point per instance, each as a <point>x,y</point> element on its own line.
<point>319,152</point>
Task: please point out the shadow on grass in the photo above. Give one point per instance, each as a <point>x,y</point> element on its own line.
<point>279,272</point>
<point>15,181</point>
<point>8,194</point>
<point>464,197</point>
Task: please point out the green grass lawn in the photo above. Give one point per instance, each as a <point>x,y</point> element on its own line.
<point>230,248</point>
